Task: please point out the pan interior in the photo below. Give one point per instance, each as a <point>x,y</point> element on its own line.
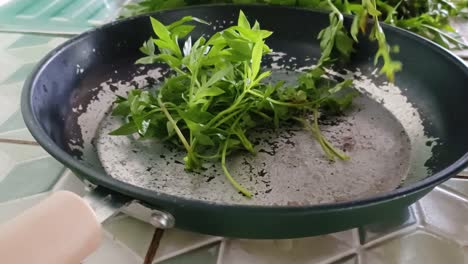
<point>288,169</point>
<point>383,133</point>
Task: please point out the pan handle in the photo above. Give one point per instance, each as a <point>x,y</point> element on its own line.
<point>65,228</point>
<point>62,229</point>
<point>104,204</point>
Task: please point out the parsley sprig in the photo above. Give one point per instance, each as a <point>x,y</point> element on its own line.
<point>218,94</point>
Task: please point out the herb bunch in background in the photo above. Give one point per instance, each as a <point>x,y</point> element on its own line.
<point>218,94</point>
<point>428,18</point>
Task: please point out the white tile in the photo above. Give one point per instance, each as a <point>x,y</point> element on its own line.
<point>70,182</point>
<point>306,250</point>
<point>137,235</point>
<point>416,248</point>
<point>112,252</point>
<point>447,213</point>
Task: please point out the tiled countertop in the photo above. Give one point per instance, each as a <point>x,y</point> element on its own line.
<point>434,230</point>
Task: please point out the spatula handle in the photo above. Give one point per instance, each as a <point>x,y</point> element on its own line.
<point>62,229</point>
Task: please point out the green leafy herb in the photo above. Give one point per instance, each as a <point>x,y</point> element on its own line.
<point>429,19</point>
<point>218,94</point>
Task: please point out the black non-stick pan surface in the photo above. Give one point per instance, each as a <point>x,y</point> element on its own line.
<point>403,138</point>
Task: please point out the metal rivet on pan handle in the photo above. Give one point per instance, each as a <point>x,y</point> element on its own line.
<point>144,213</point>
<point>162,220</point>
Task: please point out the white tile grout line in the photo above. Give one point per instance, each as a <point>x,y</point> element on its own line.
<point>17,141</point>
<point>83,8</point>
<point>339,256</point>
<point>455,195</point>
<point>357,245</point>
<point>434,230</point>
<point>34,196</point>
<point>222,248</point>
<point>66,172</point>
<point>194,246</point>
<point>39,157</point>
<point>120,243</point>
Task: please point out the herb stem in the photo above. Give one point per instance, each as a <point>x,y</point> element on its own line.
<point>262,115</point>
<point>193,78</point>
<point>461,43</point>
<point>279,102</point>
<point>335,10</point>
<point>227,110</point>
<point>327,146</point>
<point>174,124</point>
<point>225,119</point>
<point>228,175</point>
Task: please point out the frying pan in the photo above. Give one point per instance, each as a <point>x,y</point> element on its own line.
<point>403,138</point>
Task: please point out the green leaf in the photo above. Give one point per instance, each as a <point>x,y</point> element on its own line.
<point>167,46</point>
<point>169,59</point>
<point>160,30</point>
<point>340,86</point>
<point>239,46</point>
<point>179,22</point>
<point>148,47</point>
<point>196,115</point>
<point>207,92</point>
<point>182,31</point>
<point>126,129</point>
<point>355,28</point>
<point>262,76</point>
<point>170,128</point>
<point>242,21</point>
<point>147,60</point>
<point>243,138</point>
<point>204,139</point>
<point>257,53</point>
<point>218,75</point>
<point>122,109</point>
<point>344,44</point>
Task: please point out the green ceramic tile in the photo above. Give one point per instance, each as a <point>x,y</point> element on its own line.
<point>26,170</point>
<point>13,154</point>
<point>19,57</point>
<point>204,255</point>
<point>30,178</point>
<point>416,248</point>
<point>58,16</point>
<point>20,74</point>
<point>29,40</point>
<point>10,209</point>
<point>21,153</point>
<point>9,105</point>
<point>459,186</point>
<point>15,122</point>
